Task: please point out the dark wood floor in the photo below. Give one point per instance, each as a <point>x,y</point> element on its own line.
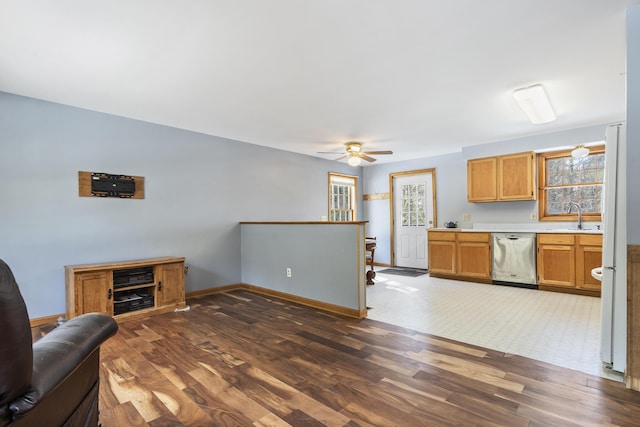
<point>242,359</point>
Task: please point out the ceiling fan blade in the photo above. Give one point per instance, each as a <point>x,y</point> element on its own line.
<point>363,156</point>
<point>330,152</point>
<point>379,152</point>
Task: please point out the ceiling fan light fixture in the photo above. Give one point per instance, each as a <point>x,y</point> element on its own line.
<point>353,147</point>
<point>354,161</point>
<point>534,102</point>
<point>580,151</point>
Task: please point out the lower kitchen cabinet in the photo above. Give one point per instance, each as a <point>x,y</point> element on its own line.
<point>556,260</point>
<point>442,252</point>
<point>474,255</point>
<point>565,262</point>
<point>460,255</point>
<point>588,257</point>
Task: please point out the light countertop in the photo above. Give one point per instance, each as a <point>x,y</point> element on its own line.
<point>522,230</point>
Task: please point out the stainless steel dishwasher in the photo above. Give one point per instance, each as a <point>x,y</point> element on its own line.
<point>514,259</point>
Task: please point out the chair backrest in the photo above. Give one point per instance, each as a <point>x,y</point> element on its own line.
<point>16,347</point>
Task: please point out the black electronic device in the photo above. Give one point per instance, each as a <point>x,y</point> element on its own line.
<point>132,276</point>
<point>107,185</point>
<point>125,302</point>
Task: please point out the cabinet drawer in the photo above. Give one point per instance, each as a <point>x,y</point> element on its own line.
<point>447,236</point>
<point>556,239</point>
<point>474,237</point>
<point>589,239</point>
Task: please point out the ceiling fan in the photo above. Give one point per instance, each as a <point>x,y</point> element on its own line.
<point>355,155</point>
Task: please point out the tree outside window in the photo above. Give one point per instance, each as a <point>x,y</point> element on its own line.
<point>564,179</point>
<point>413,209</point>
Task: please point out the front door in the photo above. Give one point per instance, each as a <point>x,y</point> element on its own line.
<point>413,213</point>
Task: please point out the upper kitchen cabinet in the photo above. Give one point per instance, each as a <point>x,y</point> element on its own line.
<point>517,177</point>
<point>502,178</point>
<point>482,183</point>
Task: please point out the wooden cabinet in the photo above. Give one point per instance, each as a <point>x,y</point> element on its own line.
<point>156,285</point>
<point>501,178</point>
<point>170,283</point>
<point>482,184</point>
<point>442,252</point>
<point>556,260</point>
<point>565,262</point>
<point>474,255</point>
<point>91,292</point>
<point>588,257</point>
<point>516,176</point>
<point>460,255</point>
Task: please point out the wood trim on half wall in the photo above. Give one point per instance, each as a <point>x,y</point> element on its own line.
<point>632,377</point>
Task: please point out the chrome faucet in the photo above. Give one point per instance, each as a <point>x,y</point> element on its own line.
<point>577,206</point>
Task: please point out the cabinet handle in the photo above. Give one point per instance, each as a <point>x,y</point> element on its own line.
<point>109,294</point>
<point>159,286</point>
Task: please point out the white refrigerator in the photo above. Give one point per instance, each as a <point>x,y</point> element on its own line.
<point>613,345</point>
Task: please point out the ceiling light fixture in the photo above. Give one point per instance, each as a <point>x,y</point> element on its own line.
<point>354,147</point>
<point>534,102</point>
<point>354,160</point>
<point>580,151</point>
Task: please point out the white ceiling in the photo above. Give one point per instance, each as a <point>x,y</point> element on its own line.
<point>419,77</point>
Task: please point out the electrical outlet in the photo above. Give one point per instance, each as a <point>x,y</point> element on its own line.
<point>288,271</point>
<point>533,215</point>
<point>466,217</point>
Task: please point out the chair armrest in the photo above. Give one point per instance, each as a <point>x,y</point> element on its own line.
<point>58,354</point>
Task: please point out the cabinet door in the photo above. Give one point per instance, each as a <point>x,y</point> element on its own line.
<point>442,257</point>
<point>93,293</point>
<point>556,265</point>
<point>588,257</point>
<point>481,180</point>
<point>170,284</point>
<point>516,177</point>
<point>474,255</point>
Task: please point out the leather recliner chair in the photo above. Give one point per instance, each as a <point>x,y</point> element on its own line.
<point>54,381</point>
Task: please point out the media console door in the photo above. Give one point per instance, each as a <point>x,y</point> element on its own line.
<point>170,278</point>
<point>92,293</point>
<point>90,288</point>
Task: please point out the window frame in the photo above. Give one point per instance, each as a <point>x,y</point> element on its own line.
<point>354,195</point>
<point>543,215</point>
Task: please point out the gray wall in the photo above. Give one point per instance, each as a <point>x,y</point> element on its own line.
<point>197,189</point>
<point>327,261</point>
<point>633,125</point>
<point>451,184</point>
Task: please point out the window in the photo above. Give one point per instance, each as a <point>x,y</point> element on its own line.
<point>563,179</point>
<point>413,205</point>
<point>342,197</point>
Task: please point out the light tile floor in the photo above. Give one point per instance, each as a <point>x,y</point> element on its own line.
<point>558,328</point>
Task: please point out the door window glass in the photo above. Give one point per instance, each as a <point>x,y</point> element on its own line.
<point>413,209</point>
